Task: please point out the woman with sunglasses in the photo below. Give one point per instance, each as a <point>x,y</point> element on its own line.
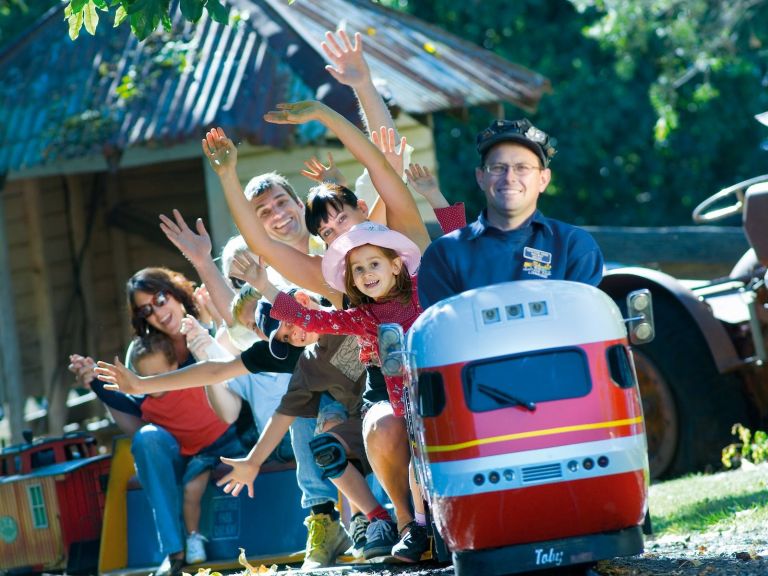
<point>158,300</point>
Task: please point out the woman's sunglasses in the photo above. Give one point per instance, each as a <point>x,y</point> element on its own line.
<point>158,301</point>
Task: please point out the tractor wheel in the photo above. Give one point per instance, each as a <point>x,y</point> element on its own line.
<point>689,407</point>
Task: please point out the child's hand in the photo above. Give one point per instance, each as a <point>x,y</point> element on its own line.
<point>384,140</point>
<point>243,473</point>
<point>247,268</point>
<point>319,172</point>
<point>206,307</point>
<point>296,113</point>
<point>220,151</point>
<point>82,367</point>
<point>198,338</point>
<point>349,67</point>
<point>421,181</point>
<point>119,378</point>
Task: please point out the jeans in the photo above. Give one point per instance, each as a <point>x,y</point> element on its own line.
<point>160,467</point>
<point>314,490</point>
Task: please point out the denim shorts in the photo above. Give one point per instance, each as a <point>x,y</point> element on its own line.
<point>228,445</point>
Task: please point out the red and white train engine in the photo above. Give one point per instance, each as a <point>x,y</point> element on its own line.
<point>527,424</point>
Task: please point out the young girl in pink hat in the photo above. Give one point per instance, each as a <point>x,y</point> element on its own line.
<point>376,268</point>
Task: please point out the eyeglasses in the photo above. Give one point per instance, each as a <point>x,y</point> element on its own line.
<point>519,169</point>
<point>237,283</point>
<point>158,301</point>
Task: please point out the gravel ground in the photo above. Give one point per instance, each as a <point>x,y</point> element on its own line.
<point>740,552</point>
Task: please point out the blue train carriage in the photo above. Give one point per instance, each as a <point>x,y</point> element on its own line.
<point>269,527</point>
<point>527,423</point>
<point>51,504</point>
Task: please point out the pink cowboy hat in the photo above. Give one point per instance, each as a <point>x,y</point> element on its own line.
<point>334,261</point>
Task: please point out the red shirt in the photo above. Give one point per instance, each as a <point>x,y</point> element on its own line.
<point>187,415</point>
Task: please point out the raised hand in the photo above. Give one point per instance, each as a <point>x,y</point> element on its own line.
<point>220,150</point>
<point>195,246</point>
<point>82,367</point>
<point>206,306</point>
<point>247,268</point>
<point>118,377</point>
<point>319,172</point>
<point>243,473</point>
<point>198,338</point>
<point>296,112</point>
<point>421,181</point>
<point>349,65</point>
<point>384,140</point>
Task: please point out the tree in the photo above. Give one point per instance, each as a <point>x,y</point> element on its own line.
<point>690,39</point>
<point>612,168</point>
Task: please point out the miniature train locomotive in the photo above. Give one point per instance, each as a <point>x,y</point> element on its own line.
<point>527,424</point>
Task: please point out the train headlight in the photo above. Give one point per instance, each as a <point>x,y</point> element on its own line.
<point>491,316</point>
<point>514,311</point>
<point>538,308</point>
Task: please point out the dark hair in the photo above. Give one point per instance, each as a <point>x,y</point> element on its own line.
<point>152,281</point>
<point>155,343</point>
<point>401,291</point>
<point>324,196</point>
<point>259,184</point>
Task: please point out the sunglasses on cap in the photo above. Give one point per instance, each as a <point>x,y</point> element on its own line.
<point>158,301</point>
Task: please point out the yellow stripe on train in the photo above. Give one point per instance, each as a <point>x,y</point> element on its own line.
<point>533,433</point>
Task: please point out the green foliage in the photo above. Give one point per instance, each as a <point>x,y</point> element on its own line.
<point>689,39</point>
<point>629,155</point>
<point>144,16</point>
<point>751,447</point>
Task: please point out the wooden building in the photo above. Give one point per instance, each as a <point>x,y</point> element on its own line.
<point>100,135</point>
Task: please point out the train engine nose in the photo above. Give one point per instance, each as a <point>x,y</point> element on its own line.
<point>528,426</point>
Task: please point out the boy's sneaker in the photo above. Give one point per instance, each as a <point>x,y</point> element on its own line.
<point>326,539</point>
<point>380,537</point>
<point>196,548</point>
<point>357,528</point>
<point>414,541</point>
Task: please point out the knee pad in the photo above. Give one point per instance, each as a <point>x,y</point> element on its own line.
<point>329,455</point>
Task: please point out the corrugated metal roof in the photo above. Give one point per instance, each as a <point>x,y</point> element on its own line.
<point>61,99</point>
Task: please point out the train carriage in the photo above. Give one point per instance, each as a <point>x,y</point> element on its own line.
<point>528,426</point>
<point>51,504</point>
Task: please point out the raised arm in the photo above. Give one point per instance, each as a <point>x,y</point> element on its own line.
<point>245,470</point>
<point>296,267</point>
<point>402,213</point>
<point>203,346</point>
<point>204,373</point>
<point>351,69</point>
<point>196,247</point>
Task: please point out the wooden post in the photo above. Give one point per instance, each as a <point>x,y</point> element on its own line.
<point>47,331</point>
<point>78,226</point>
<point>120,256</point>
<point>9,342</point>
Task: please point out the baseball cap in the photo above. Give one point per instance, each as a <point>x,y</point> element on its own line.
<point>269,326</point>
<point>521,132</point>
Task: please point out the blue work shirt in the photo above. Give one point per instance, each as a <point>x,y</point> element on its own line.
<point>481,255</point>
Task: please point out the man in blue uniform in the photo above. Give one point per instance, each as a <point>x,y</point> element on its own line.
<point>511,239</point>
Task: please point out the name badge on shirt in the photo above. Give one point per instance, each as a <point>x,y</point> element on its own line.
<point>537,262</point>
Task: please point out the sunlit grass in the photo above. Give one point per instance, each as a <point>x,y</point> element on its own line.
<point>710,502</point>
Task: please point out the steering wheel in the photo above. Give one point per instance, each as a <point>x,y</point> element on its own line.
<point>704,213</point>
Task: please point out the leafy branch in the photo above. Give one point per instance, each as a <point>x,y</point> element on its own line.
<point>687,40</point>
<point>143,16</point>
